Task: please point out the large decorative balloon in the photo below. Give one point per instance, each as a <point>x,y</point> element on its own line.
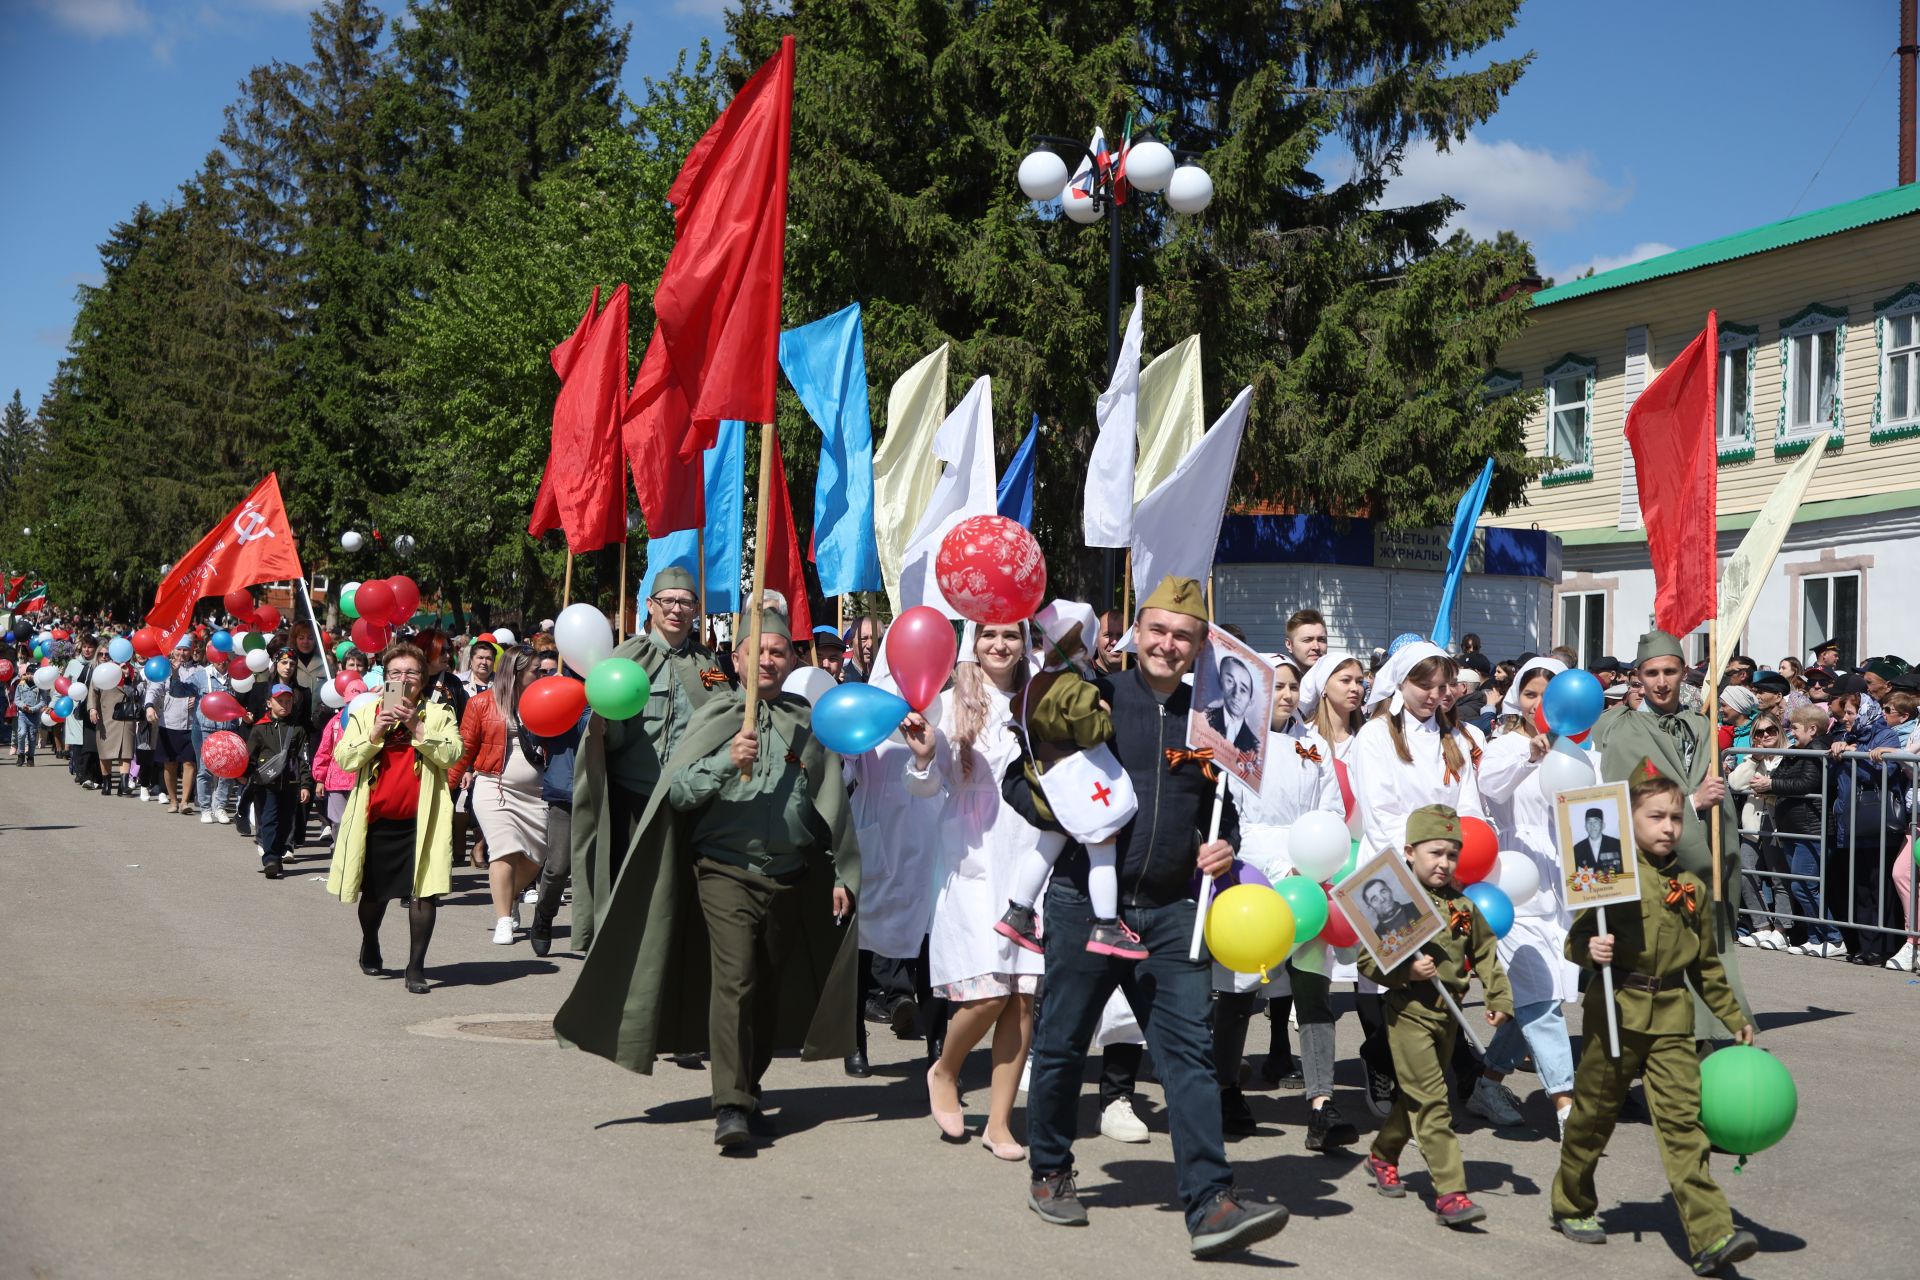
<point>220,706</point>
<point>811,683</point>
<point>1478,848</point>
<point>991,571</point>
<point>1308,903</point>
<point>1572,702</point>
<point>224,754</point>
<point>920,653</point>
<point>146,642</point>
<point>6,670</point>
<point>617,688</point>
<point>1747,1099</point>
<point>62,685</point>
<point>552,705</point>
<point>584,636</point>
<point>1338,931</point>
<point>220,642</point>
<point>242,684</point>
<point>157,669</point>
<point>1517,875</point>
<point>351,540</point>
<point>368,637</point>
<point>361,700</point>
<point>1318,844</point>
<point>239,603</point>
<point>62,707</point>
<point>341,650</point>
<point>856,718</point>
<point>1494,907</point>
<point>107,675</point>
<point>502,637</point>
<point>1240,872</point>
<point>406,594</point>
<point>253,641</point>
<point>258,660</point>
<point>120,649</point>
<point>1250,929</point>
<point>349,607</point>
<point>1540,724</point>
<point>375,601</point>
<point>1561,772</point>
<point>267,619</point>
<point>331,697</point>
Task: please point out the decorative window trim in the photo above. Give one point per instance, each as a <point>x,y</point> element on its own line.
<point>1812,318</point>
<point>1736,337</point>
<point>1905,302</point>
<point>1583,469</point>
<point>1501,382</point>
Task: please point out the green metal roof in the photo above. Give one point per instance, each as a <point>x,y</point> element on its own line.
<point>1896,202</point>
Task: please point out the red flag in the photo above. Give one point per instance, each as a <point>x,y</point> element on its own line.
<point>1671,431</point>
<point>786,572</point>
<point>252,544</point>
<point>584,489</point>
<point>672,488</point>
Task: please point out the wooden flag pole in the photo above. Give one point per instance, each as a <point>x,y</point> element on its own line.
<point>566,590</point>
<point>700,573</point>
<point>1715,888</point>
<point>620,612</point>
<point>750,671</point>
<point>1126,605</point>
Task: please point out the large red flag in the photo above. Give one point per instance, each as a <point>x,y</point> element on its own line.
<point>1670,428</point>
<point>786,572</point>
<point>252,544</point>
<point>584,489</point>
<point>672,489</point>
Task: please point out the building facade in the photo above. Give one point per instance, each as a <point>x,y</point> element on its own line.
<point>1819,331</point>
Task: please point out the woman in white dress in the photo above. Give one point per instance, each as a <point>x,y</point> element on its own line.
<point>1533,952</point>
<point>1330,696</point>
<point>988,981</point>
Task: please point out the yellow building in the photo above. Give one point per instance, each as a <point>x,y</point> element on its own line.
<point>1819,331</point>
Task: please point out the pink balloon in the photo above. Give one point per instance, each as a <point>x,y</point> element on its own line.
<point>920,653</point>
<point>990,570</point>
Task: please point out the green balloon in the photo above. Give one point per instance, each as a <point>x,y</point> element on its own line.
<point>1308,901</point>
<point>253,641</point>
<point>346,604</point>
<point>617,688</point>
<point>1747,1099</point>
<point>341,650</point>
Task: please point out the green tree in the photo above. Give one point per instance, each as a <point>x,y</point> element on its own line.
<point>17,444</point>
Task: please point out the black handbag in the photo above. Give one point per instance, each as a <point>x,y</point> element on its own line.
<point>127,709</point>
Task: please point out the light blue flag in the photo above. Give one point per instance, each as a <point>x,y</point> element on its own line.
<point>1459,546</point>
<point>826,362</point>
<point>1016,483</point>
<point>725,465</point>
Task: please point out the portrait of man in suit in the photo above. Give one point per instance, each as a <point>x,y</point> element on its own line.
<point>1599,851</point>
<point>1230,718</point>
<point>1232,701</point>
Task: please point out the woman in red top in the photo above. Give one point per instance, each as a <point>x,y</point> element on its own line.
<point>505,783</point>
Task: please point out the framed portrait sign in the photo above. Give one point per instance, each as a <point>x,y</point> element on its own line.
<point>1232,706</point>
<point>1388,909</point>
<point>1593,827</point>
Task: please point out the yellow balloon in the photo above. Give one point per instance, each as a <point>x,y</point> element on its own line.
<point>1250,929</point>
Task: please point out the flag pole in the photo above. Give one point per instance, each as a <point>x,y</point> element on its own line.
<point>1716,889</point>
<point>620,626</point>
<point>700,574</point>
<point>750,672</point>
<point>319,640</point>
<point>1126,605</point>
<point>566,589</point>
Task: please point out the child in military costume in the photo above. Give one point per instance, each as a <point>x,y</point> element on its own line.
<point>1652,949</point>
<point>1078,784</point>
<point>1421,1028</point>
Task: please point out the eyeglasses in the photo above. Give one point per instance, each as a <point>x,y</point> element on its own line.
<point>1766,733</point>
<point>673,604</point>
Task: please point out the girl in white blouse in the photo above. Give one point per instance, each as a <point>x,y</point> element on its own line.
<point>1412,752</point>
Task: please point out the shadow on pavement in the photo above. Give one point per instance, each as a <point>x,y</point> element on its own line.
<point>1660,1218</point>
<point>484,973</point>
<point>1772,1021</point>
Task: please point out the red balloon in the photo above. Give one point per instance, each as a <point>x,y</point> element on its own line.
<point>1478,848</point>
<point>552,705</point>
<point>991,571</point>
<point>367,637</point>
<point>220,705</point>
<point>406,597</point>
<point>6,670</point>
<point>354,689</point>
<point>1540,717</point>
<point>1338,930</point>
<point>920,653</point>
<point>239,603</point>
<point>224,754</point>
<point>375,601</point>
<point>266,619</point>
<point>146,642</point>
<point>343,679</point>
<point>238,669</point>
<point>61,685</point>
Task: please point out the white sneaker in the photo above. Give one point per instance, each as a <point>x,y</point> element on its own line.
<point>1818,950</point>
<point>146,795</point>
<point>1493,1101</point>
<point>1748,940</point>
<point>1119,1123</point>
<point>531,895</point>
<point>503,930</point>
<point>1770,940</point>
<point>222,816</point>
<point>206,817</point>
<point>1902,960</point>
<point>1561,1115</point>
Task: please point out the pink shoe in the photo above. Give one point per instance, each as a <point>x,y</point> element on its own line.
<point>1008,1151</point>
<point>1112,938</point>
<point>953,1124</point>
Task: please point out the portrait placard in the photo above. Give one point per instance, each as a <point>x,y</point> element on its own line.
<point>1232,706</point>
<point>1593,827</point>
<point>1388,909</point>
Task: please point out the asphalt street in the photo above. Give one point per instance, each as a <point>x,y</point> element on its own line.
<point>200,1082</point>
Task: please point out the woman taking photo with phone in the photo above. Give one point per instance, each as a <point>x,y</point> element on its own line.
<point>395,838</point>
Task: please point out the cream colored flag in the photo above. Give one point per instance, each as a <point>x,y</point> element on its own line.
<point>905,467</point>
<point>1746,572</point>
<point>1171,417</point>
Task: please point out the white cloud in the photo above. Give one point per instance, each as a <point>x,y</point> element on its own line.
<point>100,18</point>
<point>1505,186</point>
<point>1607,262</point>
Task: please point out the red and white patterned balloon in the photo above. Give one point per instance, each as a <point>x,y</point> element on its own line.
<point>224,754</point>
<point>991,571</point>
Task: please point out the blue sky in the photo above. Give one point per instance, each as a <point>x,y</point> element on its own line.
<point>1640,126</point>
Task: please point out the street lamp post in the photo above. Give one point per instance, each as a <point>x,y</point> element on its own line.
<point>1098,189</point>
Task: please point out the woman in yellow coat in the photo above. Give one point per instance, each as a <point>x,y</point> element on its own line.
<point>395,839</point>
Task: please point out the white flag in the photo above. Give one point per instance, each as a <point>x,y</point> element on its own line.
<point>904,468</point>
<point>1177,526</point>
<point>1746,572</point>
<point>967,487</point>
<point>1106,519</point>
<point>1172,416</point>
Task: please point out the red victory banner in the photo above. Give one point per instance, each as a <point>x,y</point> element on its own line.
<point>253,543</point>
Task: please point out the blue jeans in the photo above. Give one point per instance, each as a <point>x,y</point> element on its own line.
<point>1170,995</point>
<point>26,732</point>
<point>1804,860</point>
<point>1542,1028</point>
<point>277,809</point>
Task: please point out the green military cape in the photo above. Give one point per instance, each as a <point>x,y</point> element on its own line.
<point>643,989</point>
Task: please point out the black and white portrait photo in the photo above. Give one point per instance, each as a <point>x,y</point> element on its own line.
<point>1593,827</point>
<point>1232,706</point>
<point>1387,908</point>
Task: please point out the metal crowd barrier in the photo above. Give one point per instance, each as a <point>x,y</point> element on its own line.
<point>1851,887</point>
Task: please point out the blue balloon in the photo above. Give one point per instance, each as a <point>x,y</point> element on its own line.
<point>855,718</point>
<point>220,640</point>
<point>1493,905</point>
<point>120,649</point>
<point>157,669</point>
<point>1402,640</point>
<point>63,706</point>
<point>1573,702</point>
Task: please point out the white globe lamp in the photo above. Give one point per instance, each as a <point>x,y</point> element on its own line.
<point>1149,165</point>
<point>1190,190</point>
<point>1043,175</point>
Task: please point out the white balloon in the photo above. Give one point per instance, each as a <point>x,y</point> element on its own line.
<point>1082,209</point>
<point>239,644</point>
<point>1149,165</point>
<point>46,718</point>
<point>258,660</point>
<point>106,676</point>
<point>1318,844</point>
<point>1191,190</point>
<point>502,637</point>
<point>1043,175</point>
<point>43,677</point>
<point>241,684</point>
<point>1516,875</point>
<point>362,699</point>
<point>331,696</point>
<point>584,636</point>
<point>351,540</point>
<point>1562,772</point>
<point>809,683</point>
<point>350,588</point>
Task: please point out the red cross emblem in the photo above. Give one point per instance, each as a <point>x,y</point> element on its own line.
<point>1101,794</point>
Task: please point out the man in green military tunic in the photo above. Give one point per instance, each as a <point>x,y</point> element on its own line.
<point>1652,945</point>
<point>1681,743</point>
<point>619,760</point>
<point>730,927</point>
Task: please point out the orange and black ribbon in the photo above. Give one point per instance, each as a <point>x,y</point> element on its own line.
<point>1202,757</point>
<point>712,676</point>
<point>1685,894</point>
<point>1306,752</point>
<point>1460,921</point>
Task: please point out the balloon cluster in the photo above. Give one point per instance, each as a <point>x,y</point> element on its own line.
<point>920,648</point>
<point>377,606</point>
<point>616,688</point>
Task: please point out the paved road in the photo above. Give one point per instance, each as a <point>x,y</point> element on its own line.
<point>199,1082</point>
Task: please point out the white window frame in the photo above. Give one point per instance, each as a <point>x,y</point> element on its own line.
<point>1733,434</point>
<point>1808,324</point>
<point>1581,467</point>
<point>1807,639</point>
<point>1587,601</point>
<point>1905,303</point>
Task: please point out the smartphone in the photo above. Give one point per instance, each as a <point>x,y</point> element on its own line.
<point>394,699</point>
